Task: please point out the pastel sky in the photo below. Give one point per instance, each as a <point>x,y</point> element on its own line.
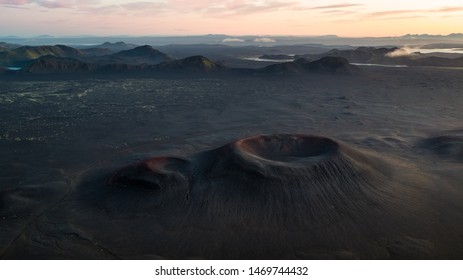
<point>234,17</point>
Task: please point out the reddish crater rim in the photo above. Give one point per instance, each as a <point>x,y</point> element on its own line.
<point>162,164</point>
<point>287,148</point>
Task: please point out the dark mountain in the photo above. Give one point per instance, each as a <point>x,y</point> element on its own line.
<point>7,46</point>
<point>190,65</point>
<point>193,63</point>
<point>139,55</point>
<point>94,52</point>
<point>389,56</point>
<point>29,52</point>
<point>23,55</point>
<point>59,65</point>
<point>52,64</point>
<point>358,55</point>
<point>231,56</point>
<point>145,51</point>
<point>116,47</point>
<point>334,65</point>
<point>331,64</point>
<point>294,67</point>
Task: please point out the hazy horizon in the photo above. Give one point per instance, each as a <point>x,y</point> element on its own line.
<point>359,18</point>
<point>227,35</point>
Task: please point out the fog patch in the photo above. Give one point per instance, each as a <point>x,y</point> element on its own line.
<point>232,40</point>
<point>400,52</point>
<point>264,40</point>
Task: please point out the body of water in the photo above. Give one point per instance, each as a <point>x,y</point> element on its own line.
<point>425,51</point>
<point>378,65</point>
<point>256,58</point>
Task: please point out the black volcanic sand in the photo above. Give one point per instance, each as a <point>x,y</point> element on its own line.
<point>316,167</point>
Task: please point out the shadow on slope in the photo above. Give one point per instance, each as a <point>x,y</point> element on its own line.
<point>447,145</point>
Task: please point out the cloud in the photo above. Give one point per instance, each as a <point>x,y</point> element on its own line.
<point>336,6</point>
<point>21,7</point>
<point>241,8</point>
<point>208,7</point>
<point>144,5</point>
<point>392,13</point>
<point>14,2</point>
<point>51,4</point>
<point>56,4</point>
<point>232,40</point>
<point>339,12</point>
<point>231,7</point>
<point>264,40</point>
<point>416,13</point>
<point>450,9</point>
<point>94,7</point>
<point>266,7</point>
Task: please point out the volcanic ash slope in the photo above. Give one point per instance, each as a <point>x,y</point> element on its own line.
<point>278,196</point>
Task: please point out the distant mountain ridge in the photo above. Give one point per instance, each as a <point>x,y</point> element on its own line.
<point>62,59</point>
<point>433,36</point>
<point>244,40</point>
<point>57,65</point>
<point>23,55</point>
<point>189,66</point>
